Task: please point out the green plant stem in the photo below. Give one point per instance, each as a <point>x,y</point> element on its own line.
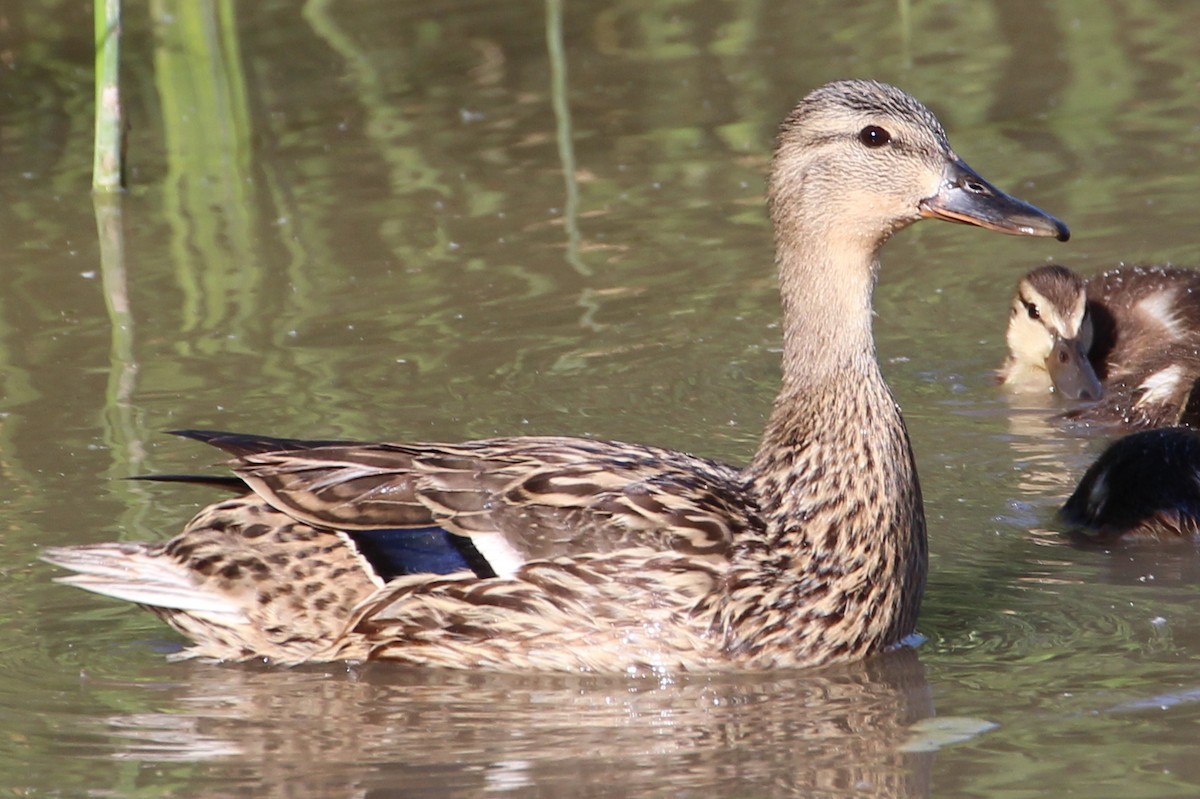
<point>107,166</point>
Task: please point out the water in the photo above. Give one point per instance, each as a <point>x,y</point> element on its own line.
<point>351,220</point>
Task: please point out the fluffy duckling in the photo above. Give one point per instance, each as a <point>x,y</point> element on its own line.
<point>1127,340</point>
<point>585,555</point>
<point>1146,486</point>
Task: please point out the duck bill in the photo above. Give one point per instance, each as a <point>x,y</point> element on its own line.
<point>966,197</point>
<point>1072,372</point>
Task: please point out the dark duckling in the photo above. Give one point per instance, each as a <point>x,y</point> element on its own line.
<point>1144,487</point>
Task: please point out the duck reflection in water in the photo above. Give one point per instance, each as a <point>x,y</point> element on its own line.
<point>856,729</point>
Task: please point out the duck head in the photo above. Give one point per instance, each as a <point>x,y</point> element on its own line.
<point>866,159</point>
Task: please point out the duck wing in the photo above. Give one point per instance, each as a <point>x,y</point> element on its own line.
<point>515,499</point>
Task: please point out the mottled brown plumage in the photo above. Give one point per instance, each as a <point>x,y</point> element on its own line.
<point>575,554</point>
<point>1126,341</point>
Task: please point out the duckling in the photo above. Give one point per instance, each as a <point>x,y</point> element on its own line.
<point>1145,486</point>
<point>575,554</point>
<point>1127,340</point>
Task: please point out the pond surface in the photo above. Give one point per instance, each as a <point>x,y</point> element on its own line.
<point>456,219</point>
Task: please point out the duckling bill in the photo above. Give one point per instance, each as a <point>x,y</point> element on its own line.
<point>577,554</point>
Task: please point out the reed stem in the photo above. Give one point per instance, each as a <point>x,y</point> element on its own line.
<point>107,165</point>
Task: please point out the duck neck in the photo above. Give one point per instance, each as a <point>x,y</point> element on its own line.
<point>826,291</point>
<point>829,362</point>
<point>841,553</point>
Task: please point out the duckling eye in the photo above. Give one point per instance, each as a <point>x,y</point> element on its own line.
<point>874,136</point>
<point>1032,310</point>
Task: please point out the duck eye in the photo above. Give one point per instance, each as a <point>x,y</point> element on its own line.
<point>1032,310</point>
<point>874,136</point>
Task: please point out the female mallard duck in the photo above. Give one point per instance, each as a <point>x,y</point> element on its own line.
<point>576,554</point>
<point>1128,339</point>
<point>1146,486</point>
